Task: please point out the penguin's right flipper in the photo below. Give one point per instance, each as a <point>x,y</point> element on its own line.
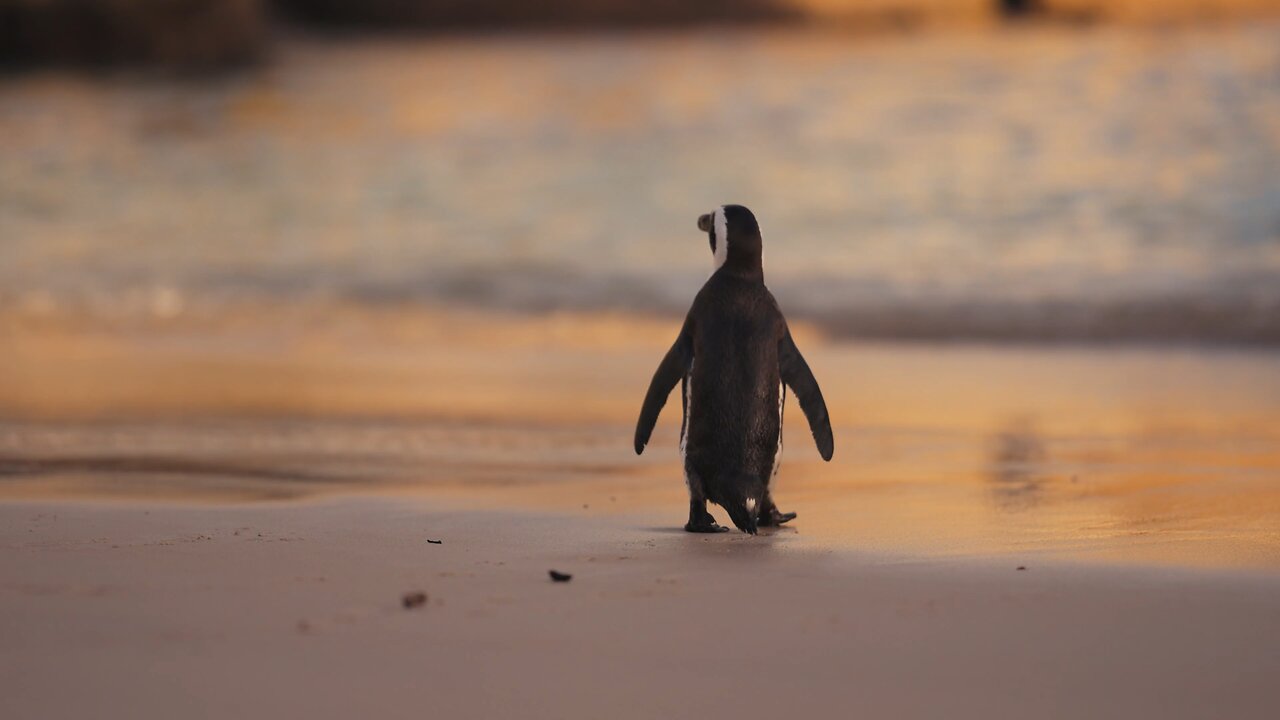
<point>672,368</point>
<point>797,375</point>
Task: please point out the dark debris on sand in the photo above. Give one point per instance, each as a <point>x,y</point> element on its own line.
<point>558,576</point>
<point>413,600</point>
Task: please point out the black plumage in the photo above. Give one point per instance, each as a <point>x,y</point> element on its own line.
<point>732,357</point>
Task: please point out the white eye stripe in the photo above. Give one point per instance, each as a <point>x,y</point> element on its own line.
<point>721,226</point>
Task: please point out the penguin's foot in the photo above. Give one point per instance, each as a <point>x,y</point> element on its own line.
<point>704,526</point>
<point>703,523</point>
<point>773,517</point>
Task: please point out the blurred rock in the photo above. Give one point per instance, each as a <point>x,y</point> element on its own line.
<point>1018,8</point>
<point>420,14</point>
<point>184,34</point>
<point>1157,12</point>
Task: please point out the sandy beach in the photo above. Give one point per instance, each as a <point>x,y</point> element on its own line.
<point>294,610</point>
<point>240,545</point>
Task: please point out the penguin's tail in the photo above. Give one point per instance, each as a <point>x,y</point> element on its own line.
<point>745,512</point>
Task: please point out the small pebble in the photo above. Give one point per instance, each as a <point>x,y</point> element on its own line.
<point>559,576</point>
<point>435,542</point>
<point>413,600</point>
<point>1022,567</point>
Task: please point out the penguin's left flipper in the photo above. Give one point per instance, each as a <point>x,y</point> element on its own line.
<point>673,367</point>
<point>797,375</point>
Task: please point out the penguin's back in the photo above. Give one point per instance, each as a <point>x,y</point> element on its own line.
<point>733,387</point>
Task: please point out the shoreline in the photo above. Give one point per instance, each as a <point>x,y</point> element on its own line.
<point>1140,454</point>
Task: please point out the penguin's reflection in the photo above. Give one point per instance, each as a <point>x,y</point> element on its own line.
<point>1016,465</point>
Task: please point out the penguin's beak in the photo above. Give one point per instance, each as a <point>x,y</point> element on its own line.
<point>704,222</point>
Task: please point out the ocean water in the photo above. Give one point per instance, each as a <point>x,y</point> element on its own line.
<point>1027,183</point>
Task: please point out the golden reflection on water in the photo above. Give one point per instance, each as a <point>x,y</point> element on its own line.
<point>1125,454</point>
<point>1030,182</point>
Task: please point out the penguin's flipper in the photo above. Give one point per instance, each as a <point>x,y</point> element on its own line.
<point>670,371</point>
<point>797,375</point>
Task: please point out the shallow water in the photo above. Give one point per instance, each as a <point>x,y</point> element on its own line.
<point>1114,183</point>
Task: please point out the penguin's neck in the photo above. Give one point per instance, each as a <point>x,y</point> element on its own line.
<point>744,261</point>
<point>748,271</point>
<point>744,257</point>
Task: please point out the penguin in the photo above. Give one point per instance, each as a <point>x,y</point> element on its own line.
<point>734,359</point>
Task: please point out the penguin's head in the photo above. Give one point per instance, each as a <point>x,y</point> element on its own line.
<point>743,503</point>
<point>734,236</point>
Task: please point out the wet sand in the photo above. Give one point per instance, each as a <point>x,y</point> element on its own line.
<point>1155,455</point>
<point>294,610</point>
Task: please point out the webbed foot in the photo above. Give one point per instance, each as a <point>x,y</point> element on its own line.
<point>701,521</point>
<point>704,526</point>
<point>772,517</point>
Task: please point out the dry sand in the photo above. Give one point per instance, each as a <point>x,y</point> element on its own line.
<point>294,610</point>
